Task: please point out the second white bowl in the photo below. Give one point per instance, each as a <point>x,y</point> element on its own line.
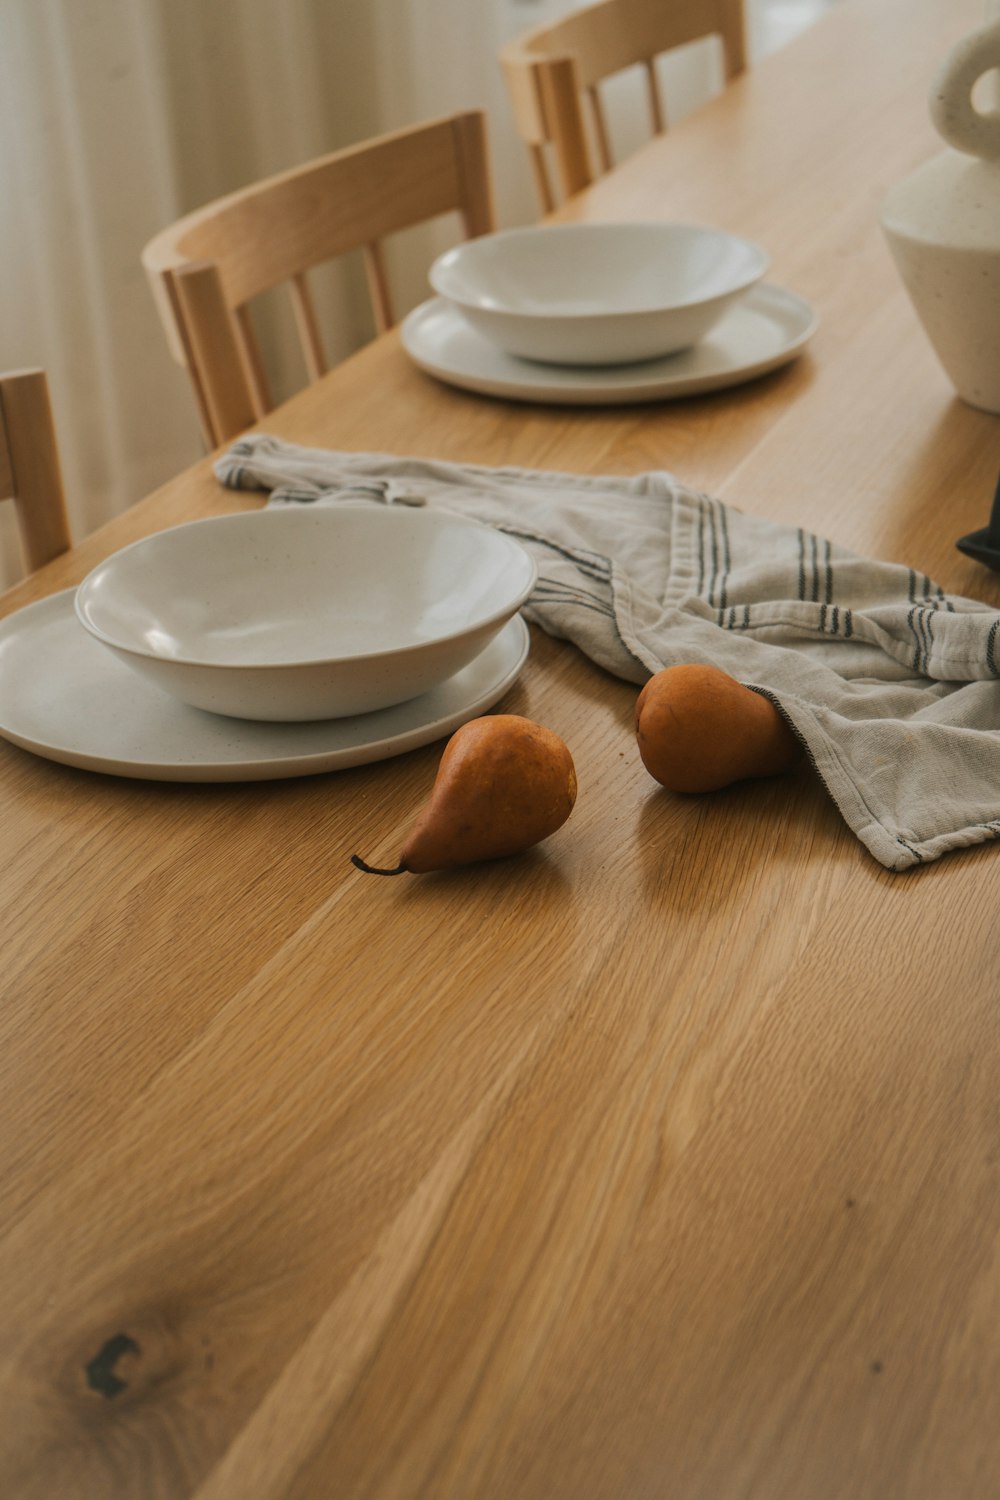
<point>307,613</point>
<point>597,294</point>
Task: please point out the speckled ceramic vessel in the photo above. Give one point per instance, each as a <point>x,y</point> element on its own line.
<point>942,224</point>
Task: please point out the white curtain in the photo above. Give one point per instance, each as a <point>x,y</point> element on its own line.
<point>84,170</point>
<point>117,116</point>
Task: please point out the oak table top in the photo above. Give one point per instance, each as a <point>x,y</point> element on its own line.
<point>662,1162</point>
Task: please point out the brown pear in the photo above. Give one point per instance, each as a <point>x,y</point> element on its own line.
<point>699,729</point>
<point>503,784</point>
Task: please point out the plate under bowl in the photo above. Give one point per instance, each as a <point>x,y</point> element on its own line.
<point>761,332</point>
<point>65,698</point>
<point>597,294</point>
<point>306,613</point>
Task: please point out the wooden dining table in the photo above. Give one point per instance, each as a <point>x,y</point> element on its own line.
<point>659,1163</point>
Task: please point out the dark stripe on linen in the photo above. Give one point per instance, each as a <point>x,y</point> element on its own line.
<point>724,528</point>
<point>910,622</point>
<point>991,641</point>
<point>910,849</point>
<point>715,557</point>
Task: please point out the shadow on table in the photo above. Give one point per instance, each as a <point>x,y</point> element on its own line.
<point>698,850</point>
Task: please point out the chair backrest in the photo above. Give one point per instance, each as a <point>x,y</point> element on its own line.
<point>551,69</point>
<point>206,268</point>
<point>29,466</point>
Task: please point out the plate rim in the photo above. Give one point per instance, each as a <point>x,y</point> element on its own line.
<point>261,767</point>
<point>656,384</point>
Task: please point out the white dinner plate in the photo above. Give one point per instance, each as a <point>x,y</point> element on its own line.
<point>766,328</point>
<point>66,697</point>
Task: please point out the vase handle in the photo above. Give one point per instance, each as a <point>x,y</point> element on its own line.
<point>955,116</point>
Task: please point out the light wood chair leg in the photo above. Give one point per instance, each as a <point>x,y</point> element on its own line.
<point>34,473</point>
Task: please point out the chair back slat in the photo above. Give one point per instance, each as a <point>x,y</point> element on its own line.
<point>274,232</point>
<point>310,338</point>
<point>593,44</point>
<point>612,35</point>
<point>253,360</point>
<point>540,174</point>
<point>6,467</point>
<point>600,127</point>
<point>655,101</point>
<point>378,286</point>
<point>30,472</point>
<point>733,31</point>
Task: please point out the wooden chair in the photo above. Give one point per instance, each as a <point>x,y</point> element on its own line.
<point>206,268</point>
<point>29,466</point>
<point>549,71</point>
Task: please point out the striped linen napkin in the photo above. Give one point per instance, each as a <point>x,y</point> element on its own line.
<point>892,685</point>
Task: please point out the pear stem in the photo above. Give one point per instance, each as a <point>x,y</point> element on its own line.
<point>360,864</point>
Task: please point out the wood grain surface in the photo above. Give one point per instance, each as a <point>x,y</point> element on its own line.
<point>662,1163</point>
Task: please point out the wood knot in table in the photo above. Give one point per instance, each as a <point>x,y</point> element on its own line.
<point>106,1372</point>
<point>124,1362</point>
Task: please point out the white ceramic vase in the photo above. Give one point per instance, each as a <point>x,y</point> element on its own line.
<point>942,224</point>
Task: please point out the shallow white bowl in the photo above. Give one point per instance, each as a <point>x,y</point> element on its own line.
<point>597,294</point>
<point>307,613</point>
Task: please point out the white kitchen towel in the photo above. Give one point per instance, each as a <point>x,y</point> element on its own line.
<point>892,685</point>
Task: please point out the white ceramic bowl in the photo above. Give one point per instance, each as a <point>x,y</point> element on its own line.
<point>317,612</point>
<point>597,294</point>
